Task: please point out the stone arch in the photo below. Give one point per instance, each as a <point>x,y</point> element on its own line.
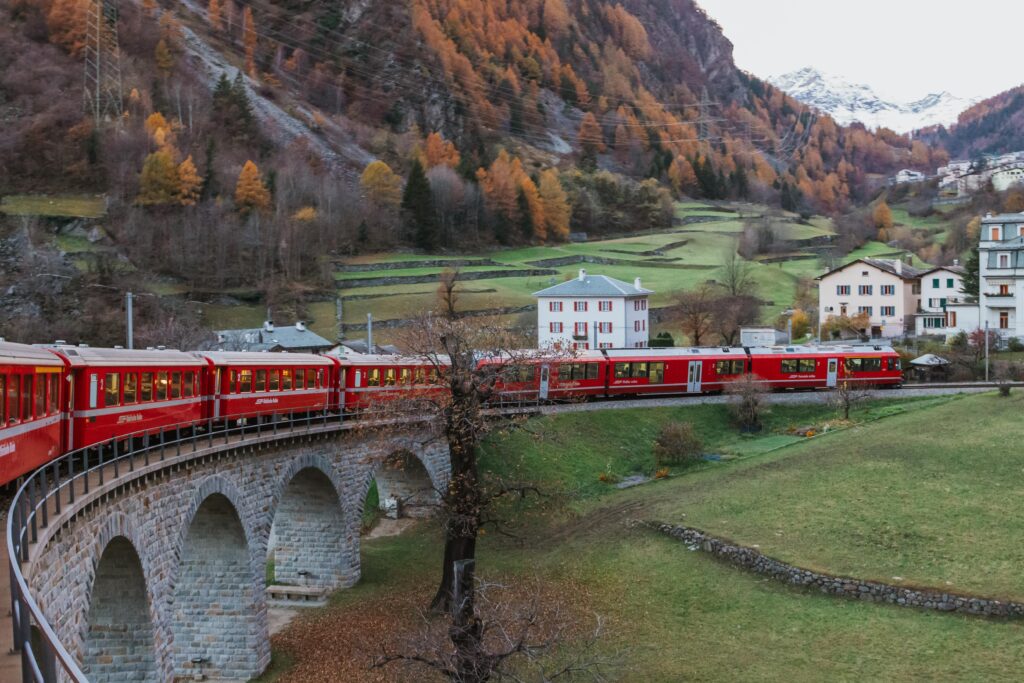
<point>307,536</point>
<point>119,642</point>
<point>218,607</point>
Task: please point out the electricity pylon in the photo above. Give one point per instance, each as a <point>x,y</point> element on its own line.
<point>102,62</point>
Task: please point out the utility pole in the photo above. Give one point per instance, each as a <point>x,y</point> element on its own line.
<point>986,350</point>
<point>369,332</point>
<point>128,312</point>
<point>102,86</point>
<point>341,327</point>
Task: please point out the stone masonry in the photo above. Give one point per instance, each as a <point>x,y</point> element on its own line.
<point>841,586</point>
<point>165,575</point>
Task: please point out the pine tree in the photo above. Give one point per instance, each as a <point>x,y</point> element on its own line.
<point>971,278</point>
<point>158,184</point>
<point>210,185</point>
<point>249,40</point>
<point>525,217</point>
<point>190,183</point>
<point>418,207</point>
<point>250,192</point>
<point>213,14</point>
<point>556,206</point>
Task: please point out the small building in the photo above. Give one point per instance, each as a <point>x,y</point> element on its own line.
<point>888,291</point>
<point>941,290</point>
<point>293,339</point>
<point>907,175</point>
<point>593,312</point>
<point>1006,178</point>
<point>762,337</point>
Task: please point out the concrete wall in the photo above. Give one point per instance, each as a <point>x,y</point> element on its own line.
<point>200,532</point>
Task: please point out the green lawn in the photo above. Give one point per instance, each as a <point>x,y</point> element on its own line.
<point>898,494</point>
<point>64,206</point>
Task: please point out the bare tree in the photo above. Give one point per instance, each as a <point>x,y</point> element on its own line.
<point>695,312</point>
<point>447,294</point>
<point>737,274</point>
<point>731,313</point>
<point>747,401</point>
<point>846,395</point>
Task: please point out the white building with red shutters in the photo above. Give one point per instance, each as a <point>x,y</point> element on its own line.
<point>593,312</point>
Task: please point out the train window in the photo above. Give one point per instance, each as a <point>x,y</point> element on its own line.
<point>12,399</point>
<point>420,376</point>
<point>638,370</point>
<point>245,381</point>
<point>656,373</point>
<point>405,376</point>
<point>806,365</point>
<point>373,377</point>
<point>894,364</point>
<point>40,396</point>
<point>300,378</point>
<point>146,387</point>
<point>526,373</point>
<point>131,387</point>
<point>432,377</point>
<point>54,394</point>
<point>275,380</point>
<point>789,365</point>
<point>314,378</point>
<point>728,367</point>
<point>286,380</point>
<point>175,385</point>
<point>261,380</point>
<point>161,386</point>
<point>190,384</point>
<point>3,400</point>
<point>111,389</point>
<point>26,398</point>
<point>621,370</point>
<point>232,387</point>
<point>592,370</point>
<point>389,377</point>
<point>565,372</point>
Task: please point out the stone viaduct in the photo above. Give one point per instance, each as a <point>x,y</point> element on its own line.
<point>161,573</point>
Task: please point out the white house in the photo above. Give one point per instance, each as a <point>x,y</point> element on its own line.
<point>593,312</point>
<point>907,175</point>
<point>941,292</point>
<point>1006,178</point>
<point>889,291</point>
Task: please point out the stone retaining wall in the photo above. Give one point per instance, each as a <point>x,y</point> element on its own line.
<point>354,283</point>
<point>841,586</point>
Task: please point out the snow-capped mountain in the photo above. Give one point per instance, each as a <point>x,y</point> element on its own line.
<point>848,102</point>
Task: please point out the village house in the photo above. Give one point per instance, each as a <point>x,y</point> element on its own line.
<point>293,339</point>
<point>888,291</point>
<point>941,291</point>
<point>593,312</point>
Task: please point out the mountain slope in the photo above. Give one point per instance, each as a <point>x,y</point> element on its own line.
<point>992,126</point>
<point>848,102</point>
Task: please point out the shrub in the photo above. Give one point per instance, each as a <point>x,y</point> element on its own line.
<point>677,444</point>
<point>661,473</point>
<point>747,402</point>
<point>1014,344</point>
<point>1004,389</point>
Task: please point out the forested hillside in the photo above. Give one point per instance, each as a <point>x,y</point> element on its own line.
<point>992,126</point>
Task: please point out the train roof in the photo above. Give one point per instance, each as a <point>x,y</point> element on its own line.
<point>388,359</point>
<point>23,354</point>
<point>822,350</point>
<point>82,356</point>
<point>668,353</point>
<point>260,358</point>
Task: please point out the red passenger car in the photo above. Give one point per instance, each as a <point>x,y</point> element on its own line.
<point>373,378</point>
<point>814,367</point>
<point>673,371</point>
<point>239,384</point>
<point>118,392</point>
<point>31,402</point>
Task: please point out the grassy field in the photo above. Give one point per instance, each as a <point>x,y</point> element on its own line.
<point>673,614</point>
<point>63,206</point>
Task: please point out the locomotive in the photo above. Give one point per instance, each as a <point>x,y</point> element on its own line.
<point>59,398</point>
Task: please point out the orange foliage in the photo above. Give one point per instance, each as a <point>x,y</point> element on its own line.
<point>249,40</point>
<point>439,152</point>
<point>556,206</point>
<point>213,15</point>
<point>66,23</point>
<point>250,192</point>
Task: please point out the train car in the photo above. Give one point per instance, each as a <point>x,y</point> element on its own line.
<point>32,395</point>
<point>372,378</point>
<point>822,367</point>
<point>694,370</point>
<point>118,392</point>
<point>242,384</point>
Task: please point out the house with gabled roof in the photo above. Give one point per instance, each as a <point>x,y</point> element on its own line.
<point>888,291</point>
<point>593,312</point>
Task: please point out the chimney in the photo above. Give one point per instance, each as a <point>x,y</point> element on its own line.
<point>583,275</point>
<point>268,325</point>
<point>300,326</point>
<point>956,262</point>
<point>899,266</point>
<point>636,283</point>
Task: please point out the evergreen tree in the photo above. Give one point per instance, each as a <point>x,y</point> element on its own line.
<point>972,266</point>
<point>525,217</point>
<point>418,207</point>
<point>210,185</point>
<point>738,180</point>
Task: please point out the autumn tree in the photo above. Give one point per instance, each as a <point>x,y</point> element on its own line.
<point>556,206</point>
<point>418,207</point>
<point>66,22</point>
<point>439,152</point>
<point>532,206</point>
<point>381,185</point>
<point>213,15</point>
<point>250,191</point>
<point>163,57</point>
<point>190,183</point>
<point>249,41</point>
<point>881,217</point>
<point>681,176</point>
<point>158,184</point>
<point>591,141</point>
<point>1014,202</point>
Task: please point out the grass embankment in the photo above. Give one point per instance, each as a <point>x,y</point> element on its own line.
<point>58,206</point>
<point>677,615</point>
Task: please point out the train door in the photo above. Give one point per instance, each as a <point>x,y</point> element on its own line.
<point>341,389</point>
<point>216,391</point>
<point>833,371</point>
<point>693,378</point>
<point>545,377</point>
<point>94,381</point>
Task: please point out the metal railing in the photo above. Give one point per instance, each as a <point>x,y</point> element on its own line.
<point>57,486</point>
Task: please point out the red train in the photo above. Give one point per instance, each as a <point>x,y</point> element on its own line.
<point>61,398</point>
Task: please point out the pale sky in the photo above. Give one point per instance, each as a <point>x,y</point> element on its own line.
<point>903,49</point>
